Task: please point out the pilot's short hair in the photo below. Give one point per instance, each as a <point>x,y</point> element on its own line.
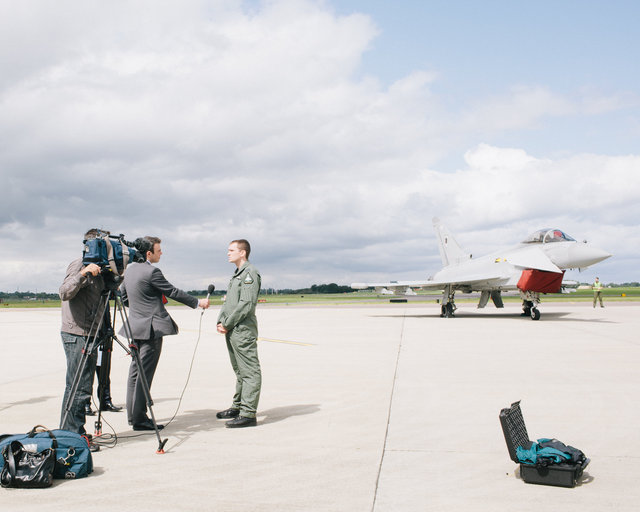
<point>243,245</point>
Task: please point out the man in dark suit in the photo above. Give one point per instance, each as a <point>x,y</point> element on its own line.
<point>144,290</point>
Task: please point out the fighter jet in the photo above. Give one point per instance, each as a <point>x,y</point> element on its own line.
<point>534,266</point>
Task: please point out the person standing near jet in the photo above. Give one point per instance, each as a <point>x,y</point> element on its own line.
<point>237,321</point>
<point>597,292</point>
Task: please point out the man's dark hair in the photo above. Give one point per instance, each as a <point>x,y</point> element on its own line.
<point>243,245</point>
<point>153,240</point>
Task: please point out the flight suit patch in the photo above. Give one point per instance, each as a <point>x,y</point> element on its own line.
<point>248,279</point>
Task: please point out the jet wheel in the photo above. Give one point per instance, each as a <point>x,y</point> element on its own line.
<point>449,310</point>
<point>535,314</point>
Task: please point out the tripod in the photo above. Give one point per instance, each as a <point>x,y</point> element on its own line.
<point>102,334</point>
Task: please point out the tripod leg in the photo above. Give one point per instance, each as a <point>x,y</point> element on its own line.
<point>138,369</point>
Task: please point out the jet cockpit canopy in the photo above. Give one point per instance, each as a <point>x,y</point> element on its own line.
<point>545,236</point>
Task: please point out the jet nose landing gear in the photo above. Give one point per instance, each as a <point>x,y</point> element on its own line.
<point>529,309</point>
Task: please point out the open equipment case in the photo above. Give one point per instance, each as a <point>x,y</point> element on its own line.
<point>515,434</point>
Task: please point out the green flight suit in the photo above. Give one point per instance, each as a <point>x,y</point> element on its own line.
<point>238,316</point>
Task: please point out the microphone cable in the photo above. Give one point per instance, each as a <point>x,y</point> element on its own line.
<point>110,440</point>
<point>193,357</point>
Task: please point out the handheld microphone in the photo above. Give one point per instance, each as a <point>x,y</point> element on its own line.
<point>210,289</point>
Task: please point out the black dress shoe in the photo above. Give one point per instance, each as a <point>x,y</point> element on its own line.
<point>88,411</point>
<point>107,405</point>
<point>242,421</point>
<point>228,413</point>
<point>146,425</point>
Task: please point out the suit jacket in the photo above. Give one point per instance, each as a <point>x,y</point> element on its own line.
<point>142,290</point>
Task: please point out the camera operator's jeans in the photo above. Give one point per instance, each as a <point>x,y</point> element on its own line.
<point>73,345</point>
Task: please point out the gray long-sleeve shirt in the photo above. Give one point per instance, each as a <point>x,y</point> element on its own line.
<point>80,299</point>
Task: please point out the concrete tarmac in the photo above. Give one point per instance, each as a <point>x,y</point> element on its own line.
<point>363,408</point>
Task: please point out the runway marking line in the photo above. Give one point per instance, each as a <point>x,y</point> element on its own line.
<point>270,340</point>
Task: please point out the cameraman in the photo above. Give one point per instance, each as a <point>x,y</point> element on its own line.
<point>144,289</point>
<point>80,293</point>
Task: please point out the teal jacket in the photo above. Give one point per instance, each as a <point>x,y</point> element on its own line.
<point>242,298</point>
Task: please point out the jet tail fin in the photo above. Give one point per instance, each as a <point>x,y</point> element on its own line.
<point>450,252</point>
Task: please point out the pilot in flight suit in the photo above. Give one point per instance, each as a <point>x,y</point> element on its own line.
<point>237,321</point>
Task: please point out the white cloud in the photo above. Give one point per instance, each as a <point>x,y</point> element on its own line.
<point>204,121</point>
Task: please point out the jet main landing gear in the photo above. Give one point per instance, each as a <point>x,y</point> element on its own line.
<point>446,311</point>
<point>448,306</point>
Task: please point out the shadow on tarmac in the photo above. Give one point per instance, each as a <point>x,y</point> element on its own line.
<point>203,420</point>
<point>30,401</point>
<point>470,315</point>
<point>282,413</point>
<point>182,427</point>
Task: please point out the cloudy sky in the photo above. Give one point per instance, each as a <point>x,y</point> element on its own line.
<point>328,133</point>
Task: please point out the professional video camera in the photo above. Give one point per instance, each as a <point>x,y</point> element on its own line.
<point>113,253</point>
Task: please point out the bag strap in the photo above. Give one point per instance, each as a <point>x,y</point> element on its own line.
<point>10,457</point>
<point>125,255</point>
<point>111,257</point>
<point>41,428</point>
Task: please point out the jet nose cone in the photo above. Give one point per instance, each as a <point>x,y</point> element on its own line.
<point>583,255</point>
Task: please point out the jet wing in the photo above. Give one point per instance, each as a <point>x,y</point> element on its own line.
<point>402,287</point>
<point>393,286</point>
<point>532,257</point>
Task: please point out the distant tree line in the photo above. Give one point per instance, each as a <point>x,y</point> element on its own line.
<point>633,284</point>
<point>319,288</point>
<point>315,288</point>
<point>203,293</point>
<point>29,295</point>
